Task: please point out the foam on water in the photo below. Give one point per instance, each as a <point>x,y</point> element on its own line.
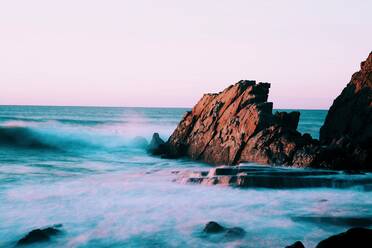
<point>107,193</point>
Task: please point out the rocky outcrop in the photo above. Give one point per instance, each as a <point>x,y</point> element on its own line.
<point>348,126</point>
<point>248,176</point>
<point>156,144</point>
<point>237,125</point>
<point>297,244</point>
<point>40,235</point>
<point>355,237</point>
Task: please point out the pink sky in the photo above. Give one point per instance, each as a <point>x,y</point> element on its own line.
<point>168,52</point>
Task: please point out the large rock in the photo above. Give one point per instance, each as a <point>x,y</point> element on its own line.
<point>347,129</point>
<point>355,237</point>
<point>237,125</point>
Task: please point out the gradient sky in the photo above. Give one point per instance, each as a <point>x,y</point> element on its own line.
<point>169,52</point>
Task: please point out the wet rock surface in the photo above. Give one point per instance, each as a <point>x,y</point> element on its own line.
<point>355,237</point>
<point>237,125</point>
<point>247,176</point>
<point>156,144</point>
<point>297,244</point>
<point>232,233</point>
<point>40,235</point>
<point>213,227</point>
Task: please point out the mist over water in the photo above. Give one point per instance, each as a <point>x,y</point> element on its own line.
<point>79,166</point>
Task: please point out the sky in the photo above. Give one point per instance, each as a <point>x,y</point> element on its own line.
<point>168,53</point>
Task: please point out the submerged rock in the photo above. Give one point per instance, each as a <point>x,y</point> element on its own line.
<point>297,244</point>
<point>213,227</point>
<point>355,237</point>
<point>40,235</point>
<point>229,233</point>
<point>235,233</point>
<point>273,177</point>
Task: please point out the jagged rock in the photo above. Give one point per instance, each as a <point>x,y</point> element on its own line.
<point>355,237</point>
<point>347,129</point>
<point>156,144</point>
<point>40,235</point>
<point>213,227</point>
<point>297,244</point>
<point>237,125</point>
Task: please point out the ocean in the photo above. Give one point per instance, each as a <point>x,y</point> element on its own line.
<point>83,167</point>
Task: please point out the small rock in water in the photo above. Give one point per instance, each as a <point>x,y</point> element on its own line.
<point>229,233</point>
<point>297,244</point>
<point>213,227</point>
<point>354,237</point>
<point>40,235</point>
<point>155,144</point>
<point>235,233</point>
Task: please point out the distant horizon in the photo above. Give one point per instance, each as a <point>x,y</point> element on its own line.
<point>155,107</point>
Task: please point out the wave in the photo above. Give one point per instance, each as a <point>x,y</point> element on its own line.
<point>60,137</point>
<point>22,137</point>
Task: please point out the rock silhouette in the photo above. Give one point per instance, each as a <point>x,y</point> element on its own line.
<point>40,235</point>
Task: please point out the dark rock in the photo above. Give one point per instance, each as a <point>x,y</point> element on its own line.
<point>229,233</point>
<point>235,233</point>
<point>139,142</point>
<point>356,221</point>
<point>355,237</point>
<point>40,235</point>
<point>348,125</point>
<point>275,178</point>
<point>297,244</point>
<point>213,227</point>
<point>156,145</point>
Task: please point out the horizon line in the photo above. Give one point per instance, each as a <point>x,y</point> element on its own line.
<point>105,106</point>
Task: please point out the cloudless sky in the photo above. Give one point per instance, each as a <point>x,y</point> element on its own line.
<point>169,52</point>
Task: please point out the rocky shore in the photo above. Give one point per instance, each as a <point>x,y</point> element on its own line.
<point>238,125</point>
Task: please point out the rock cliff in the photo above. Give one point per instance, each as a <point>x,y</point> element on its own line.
<point>348,125</point>
<point>238,125</point>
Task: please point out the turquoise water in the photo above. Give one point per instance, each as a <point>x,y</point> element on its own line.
<point>79,166</point>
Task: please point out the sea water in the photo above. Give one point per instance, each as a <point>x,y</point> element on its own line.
<point>79,167</point>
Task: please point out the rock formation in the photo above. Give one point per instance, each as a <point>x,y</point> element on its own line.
<point>237,125</point>
<point>354,237</point>
<point>40,235</point>
<point>348,125</point>
<point>297,244</point>
<point>248,176</point>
